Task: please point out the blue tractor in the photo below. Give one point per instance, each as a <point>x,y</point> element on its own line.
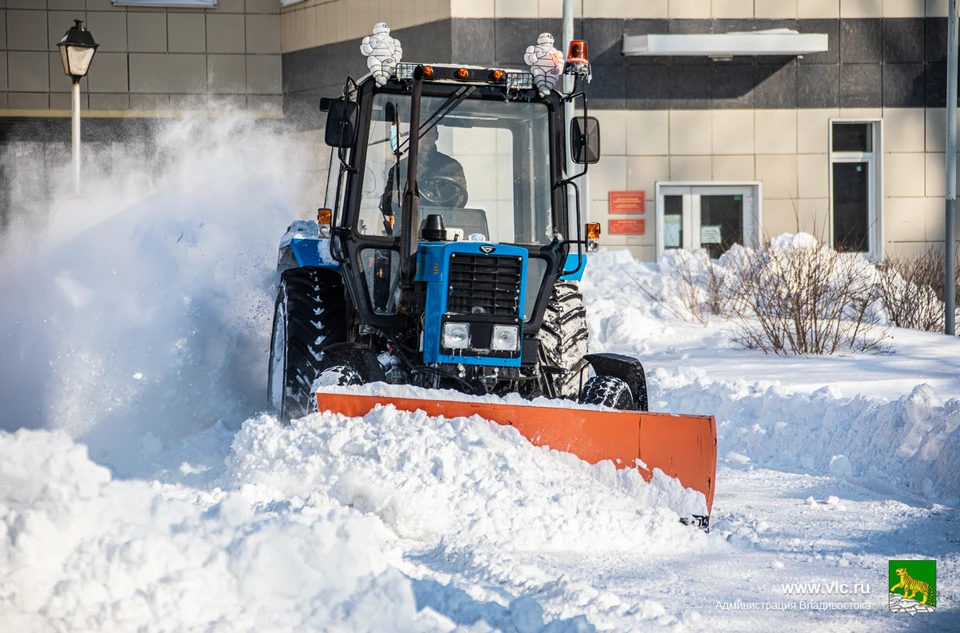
<point>461,274</point>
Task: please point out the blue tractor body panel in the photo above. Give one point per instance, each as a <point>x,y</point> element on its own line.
<point>433,269</point>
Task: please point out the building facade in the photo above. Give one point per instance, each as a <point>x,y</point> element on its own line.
<point>151,58</point>
<point>846,142</point>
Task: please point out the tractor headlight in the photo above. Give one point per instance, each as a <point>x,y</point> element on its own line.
<point>456,335</point>
<point>506,338</point>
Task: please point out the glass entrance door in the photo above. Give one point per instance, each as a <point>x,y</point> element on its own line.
<point>713,218</point>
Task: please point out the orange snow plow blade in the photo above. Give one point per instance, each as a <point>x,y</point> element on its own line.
<point>682,446</point>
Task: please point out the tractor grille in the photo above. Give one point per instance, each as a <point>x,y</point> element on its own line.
<point>484,284</point>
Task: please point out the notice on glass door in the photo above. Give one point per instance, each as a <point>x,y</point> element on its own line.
<point>672,231</point>
<point>710,235</point>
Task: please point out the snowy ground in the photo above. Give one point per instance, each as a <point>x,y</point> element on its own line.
<point>140,488</point>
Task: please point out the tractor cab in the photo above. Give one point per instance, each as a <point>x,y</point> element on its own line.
<point>463,252</point>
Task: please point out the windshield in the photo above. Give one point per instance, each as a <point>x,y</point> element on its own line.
<point>483,166</point>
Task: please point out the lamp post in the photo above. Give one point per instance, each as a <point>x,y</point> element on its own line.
<point>76,51</point>
<point>949,254</point>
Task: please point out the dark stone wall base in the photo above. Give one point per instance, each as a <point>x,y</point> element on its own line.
<point>871,63</point>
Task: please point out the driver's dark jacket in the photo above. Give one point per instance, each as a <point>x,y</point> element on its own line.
<point>431,166</point>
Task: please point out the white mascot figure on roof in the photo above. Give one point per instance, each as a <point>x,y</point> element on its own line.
<point>546,63</point>
<point>383,53</point>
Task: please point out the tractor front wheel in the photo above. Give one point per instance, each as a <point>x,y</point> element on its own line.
<point>563,339</point>
<point>310,314</point>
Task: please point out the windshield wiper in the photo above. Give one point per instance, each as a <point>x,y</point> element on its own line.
<point>449,105</point>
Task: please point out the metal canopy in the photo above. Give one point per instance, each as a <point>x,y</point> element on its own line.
<point>769,42</point>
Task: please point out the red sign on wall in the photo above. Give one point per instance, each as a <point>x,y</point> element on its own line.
<point>628,201</point>
<point>627,227</point>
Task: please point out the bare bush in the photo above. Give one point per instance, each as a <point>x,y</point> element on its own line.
<point>806,298</point>
<point>689,268</point>
<point>797,297</point>
<point>913,290</point>
<point>663,300</point>
<point>705,289</point>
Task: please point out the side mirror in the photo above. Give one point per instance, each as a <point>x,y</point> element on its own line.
<point>585,140</point>
<point>341,128</point>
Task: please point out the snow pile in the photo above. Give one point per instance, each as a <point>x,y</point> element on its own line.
<point>308,529</point>
<point>82,552</point>
<point>153,313</point>
<point>906,444</point>
<point>466,481</point>
<point>909,444</point>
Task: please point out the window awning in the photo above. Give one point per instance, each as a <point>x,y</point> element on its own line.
<point>769,42</point>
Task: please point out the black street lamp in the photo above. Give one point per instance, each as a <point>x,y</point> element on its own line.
<point>76,52</point>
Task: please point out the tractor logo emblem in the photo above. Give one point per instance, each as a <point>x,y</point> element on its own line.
<point>487,249</point>
<point>913,586</point>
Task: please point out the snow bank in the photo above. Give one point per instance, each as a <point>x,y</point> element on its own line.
<point>79,551</point>
<point>466,481</point>
<point>308,529</point>
<point>909,444</point>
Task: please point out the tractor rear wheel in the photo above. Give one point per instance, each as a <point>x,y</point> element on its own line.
<point>310,314</point>
<point>563,339</point>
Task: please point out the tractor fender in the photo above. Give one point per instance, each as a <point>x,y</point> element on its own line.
<point>627,369</point>
<point>302,246</point>
<point>576,263</point>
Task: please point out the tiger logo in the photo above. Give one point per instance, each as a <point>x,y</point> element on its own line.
<point>911,586</point>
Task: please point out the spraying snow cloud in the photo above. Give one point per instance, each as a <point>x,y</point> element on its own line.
<point>145,305</point>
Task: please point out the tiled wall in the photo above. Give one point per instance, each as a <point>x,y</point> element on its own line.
<point>700,9</point>
<point>787,150</point>
<point>149,58</point>
<point>319,22</point>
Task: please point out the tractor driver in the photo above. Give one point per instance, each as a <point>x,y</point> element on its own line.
<point>440,178</point>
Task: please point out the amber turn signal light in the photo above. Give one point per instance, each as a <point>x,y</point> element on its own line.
<point>577,52</point>
<point>593,231</point>
<point>428,71</point>
<point>463,73</point>
<point>497,75</point>
<point>324,216</point>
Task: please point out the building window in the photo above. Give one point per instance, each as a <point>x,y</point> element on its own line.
<point>855,200</point>
<point>708,216</point>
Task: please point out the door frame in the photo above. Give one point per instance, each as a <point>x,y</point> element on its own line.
<point>722,188</point>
